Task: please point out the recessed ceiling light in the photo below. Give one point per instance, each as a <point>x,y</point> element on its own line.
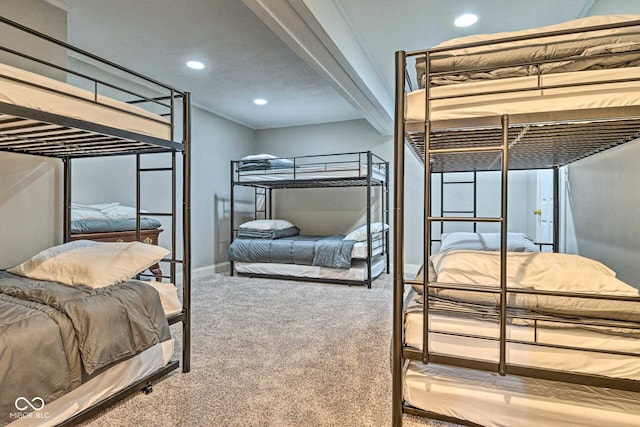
<point>260,101</point>
<point>465,20</point>
<point>196,65</point>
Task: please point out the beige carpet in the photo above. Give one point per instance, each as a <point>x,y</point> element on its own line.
<point>277,353</point>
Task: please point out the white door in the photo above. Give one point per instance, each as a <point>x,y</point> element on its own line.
<point>544,207</point>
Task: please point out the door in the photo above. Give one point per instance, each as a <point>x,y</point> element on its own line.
<point>544,206</point>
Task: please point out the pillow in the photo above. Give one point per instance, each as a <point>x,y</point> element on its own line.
<point>516,242</point>
<point>259,157</point>
<point>267,224</point>
<point>93,264</point>
<point>538,271</point>
<point>420,278</point>
<point>248,233</point>
<point>360,233</point>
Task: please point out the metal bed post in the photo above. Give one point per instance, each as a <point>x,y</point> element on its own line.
<point>427,211</point>
<point>138,197</point>
<point>398,256</point>
<point>556,209</point>
<point>475,200</point>
<point>369,249</point>
<point>270,210</point>
<point>503,244</point>
<point>66,213</point>
<point>186,234</point>
<point>386,212</point>
<point>231,215</point>
<point>172,268</point>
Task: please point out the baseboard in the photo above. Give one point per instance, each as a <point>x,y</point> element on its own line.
<point>207,270</point>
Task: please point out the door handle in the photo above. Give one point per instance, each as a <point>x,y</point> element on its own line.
<point>537,212</point>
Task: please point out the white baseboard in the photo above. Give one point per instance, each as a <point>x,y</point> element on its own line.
<point>207,270</point>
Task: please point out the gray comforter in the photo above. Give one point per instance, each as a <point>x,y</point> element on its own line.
<point>330,251</point>
<point>55,337</point>
<point>111,225</point>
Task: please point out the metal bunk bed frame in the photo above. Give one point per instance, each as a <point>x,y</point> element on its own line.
<point>68,138</point>
<point>265,188</point>
<point>512,137</point>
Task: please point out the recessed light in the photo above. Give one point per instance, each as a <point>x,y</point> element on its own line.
<point>260,101</point>
<point>465,20</point>
<point>196,65</point>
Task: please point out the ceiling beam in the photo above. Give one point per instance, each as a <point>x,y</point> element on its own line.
<point>319,34</point>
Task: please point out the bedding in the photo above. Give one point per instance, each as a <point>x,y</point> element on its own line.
<point>312,171</point>
<point>358,271</point>
<point>89,263</point>
<point>65,334</point>
<point>80,105</point>
<point>516,242</point>
<point>491,400</point>
<point>112,225</point>
<point>360,233</point>
<point>267,224</point>
<point>332,251</point>
<point>561,49</point>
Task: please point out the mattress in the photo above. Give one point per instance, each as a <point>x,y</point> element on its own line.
<point>82,226</point>
<point>168,296</point>
<point>357,272</point>
<point>588,96</point>
<point>491,400</point>
<point>79,105</point>
<point>611,365</point>
<point>311,172</point>
<point>102,386</point>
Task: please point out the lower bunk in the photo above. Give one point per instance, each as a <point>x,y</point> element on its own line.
<point>77,335</point>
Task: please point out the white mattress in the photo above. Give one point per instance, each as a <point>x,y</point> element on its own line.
<point>357,272</point>
<point>22,94</point>
<point>533,101</point>
<point>102,386</point>
<point>616,366</point>
<point>491,400</point>
<point>303,172</point>
<point>168,296</point>
<point>360,249</point>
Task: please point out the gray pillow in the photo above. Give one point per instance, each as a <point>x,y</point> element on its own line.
<point>516,242</point>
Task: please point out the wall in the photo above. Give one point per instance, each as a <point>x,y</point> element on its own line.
<point>30,187</point>
<point>602,208</point>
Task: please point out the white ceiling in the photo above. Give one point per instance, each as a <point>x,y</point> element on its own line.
<point>314,60</point>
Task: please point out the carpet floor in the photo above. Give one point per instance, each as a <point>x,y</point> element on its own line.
<point>277,353</point>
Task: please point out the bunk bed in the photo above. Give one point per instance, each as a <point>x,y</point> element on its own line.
<point>41,116</point>
<point>265,173</point>
<point>508,352</point>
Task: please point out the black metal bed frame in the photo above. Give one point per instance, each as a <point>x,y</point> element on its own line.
<point>301,179</point>
<point>42,133</point>
<point>476,141</point>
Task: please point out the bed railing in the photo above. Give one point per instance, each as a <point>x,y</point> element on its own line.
<point>161,99</point>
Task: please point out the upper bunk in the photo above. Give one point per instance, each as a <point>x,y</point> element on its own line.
<point>357,169</point>
<point>561,93</point>
<point>47,116</point>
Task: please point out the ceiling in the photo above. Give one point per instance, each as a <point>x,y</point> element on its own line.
<point>315,61</point>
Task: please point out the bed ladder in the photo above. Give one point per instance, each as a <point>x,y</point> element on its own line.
<point>139,213</point>
<point>452,212</point>
<point>262,203</point>
<point>502,156</point>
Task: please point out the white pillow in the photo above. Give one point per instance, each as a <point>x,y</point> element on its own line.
<point>516,242</point>
<point>259,157</point>
<point>360,233</point>
<point>89,263</point>
<point>530,270</point>
<point>267,224</point>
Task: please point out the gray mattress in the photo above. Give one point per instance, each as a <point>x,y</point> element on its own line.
<point>319,251</point>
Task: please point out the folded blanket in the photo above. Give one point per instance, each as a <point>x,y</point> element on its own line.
<point>252,233</point>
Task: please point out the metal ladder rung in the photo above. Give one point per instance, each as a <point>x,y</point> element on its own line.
<point>458,182</point>
<point>155,214</point>
<point>155,169</point>
<point>466,150</point>
<point>463,219</point>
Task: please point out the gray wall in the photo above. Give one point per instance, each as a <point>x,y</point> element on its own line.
<point>602,208</point>
<point>30,187</point>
